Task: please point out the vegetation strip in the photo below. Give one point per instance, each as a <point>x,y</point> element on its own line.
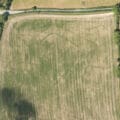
<point>78,10</point>
<point>5,4</point>
<point>117,33</point>
<point>4,17</point>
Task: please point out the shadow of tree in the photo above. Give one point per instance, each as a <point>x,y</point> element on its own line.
<point>17,107</point>
<point>25,110</point>
<point>8,97</point>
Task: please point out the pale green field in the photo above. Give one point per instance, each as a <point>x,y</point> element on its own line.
<point>63,66</point>
<point>24,4</point>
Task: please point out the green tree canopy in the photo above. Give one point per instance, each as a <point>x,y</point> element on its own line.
<point>5,16</point>
<point>117,36</point>
<point>116,9</point>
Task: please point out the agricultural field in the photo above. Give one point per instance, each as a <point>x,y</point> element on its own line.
<point>24,4</point>
<point>62,67</point>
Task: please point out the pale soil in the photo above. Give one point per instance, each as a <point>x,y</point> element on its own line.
<point>24,4</point>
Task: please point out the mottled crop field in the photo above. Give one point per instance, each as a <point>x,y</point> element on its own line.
<point>62,66</point>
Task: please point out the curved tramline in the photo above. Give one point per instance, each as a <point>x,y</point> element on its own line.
<point>63,66</point>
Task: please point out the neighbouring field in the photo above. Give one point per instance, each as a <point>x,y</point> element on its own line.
<point>24,4</point>
<point>64,66</point>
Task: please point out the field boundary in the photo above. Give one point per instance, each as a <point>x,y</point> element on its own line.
<point>57,10</point>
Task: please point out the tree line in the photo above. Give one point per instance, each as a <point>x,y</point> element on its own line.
<point>116,11</point>
<point>5,4</point>
<point>3,18</point>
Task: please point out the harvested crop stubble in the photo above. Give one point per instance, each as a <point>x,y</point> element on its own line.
<point>24,4</point>
<point>64,64</point>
